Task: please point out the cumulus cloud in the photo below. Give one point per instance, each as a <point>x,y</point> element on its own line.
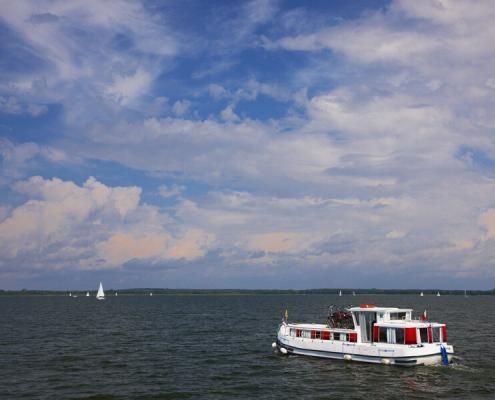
<point>92,226</point>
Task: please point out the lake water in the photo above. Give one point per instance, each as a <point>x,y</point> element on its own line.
<point>219,347</point>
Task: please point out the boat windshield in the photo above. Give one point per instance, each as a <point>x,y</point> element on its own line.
<point>366,320</point>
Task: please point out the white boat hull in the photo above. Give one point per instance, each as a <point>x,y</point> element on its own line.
<point>377,353</point>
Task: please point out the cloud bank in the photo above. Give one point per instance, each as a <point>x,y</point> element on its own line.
<point>349,146</point>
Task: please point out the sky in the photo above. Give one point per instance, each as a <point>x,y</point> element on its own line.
<point>253,144</point>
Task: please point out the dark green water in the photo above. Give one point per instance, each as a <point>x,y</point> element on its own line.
<point>214,347</point>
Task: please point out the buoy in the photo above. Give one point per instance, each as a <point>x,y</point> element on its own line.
<point>283,350</point>
<point>274,345</point>
<point>386,361</point>
<point>347,357</point>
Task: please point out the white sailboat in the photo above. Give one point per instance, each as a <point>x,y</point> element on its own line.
<point>421,294</point>
<point>438,294</point>
<point>465,293</point>
<point>353,293</point>
<point>151,294</point>
<point>116,294</point>
<point>340,292</point>
<point>101,294</point>
<point>70,294</point>
<point>87,294</point>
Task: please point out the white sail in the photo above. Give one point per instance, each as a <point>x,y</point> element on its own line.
<point>101,294</point>
<point>340,292</point>
<point>421,294</point>
<point>87,294</point>
<point>438,294</point>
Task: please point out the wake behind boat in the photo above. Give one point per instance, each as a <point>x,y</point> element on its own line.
<point>368,333</point>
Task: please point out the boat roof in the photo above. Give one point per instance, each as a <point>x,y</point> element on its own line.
<point>372,307</point>
<point>409,323</point>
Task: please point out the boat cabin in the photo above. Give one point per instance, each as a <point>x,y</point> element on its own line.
<point>370,324</point>
<point>395,326</point>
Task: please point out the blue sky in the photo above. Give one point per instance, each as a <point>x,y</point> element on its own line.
<point>256,144</point>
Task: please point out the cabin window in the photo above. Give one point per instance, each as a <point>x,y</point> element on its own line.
<point>315,334</point>
<point>306,334</point>
<point>356,317</point>
<point>382,335</point>
<point>343,337</point>
<point>325,335</point>
<point>397,315</point>
<point>336,336</point>
<point>353,337</point>
<point>423,333</point>
<point>390,335</point>
<point>292,332</point>
<point>436,334</point>
<point>366,321</point>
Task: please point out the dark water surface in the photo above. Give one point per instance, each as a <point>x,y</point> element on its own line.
<point>214,347</point>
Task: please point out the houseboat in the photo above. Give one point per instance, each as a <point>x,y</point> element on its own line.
<point>382,335</point>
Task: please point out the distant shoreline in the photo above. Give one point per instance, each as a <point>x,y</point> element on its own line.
<point>223,292</point>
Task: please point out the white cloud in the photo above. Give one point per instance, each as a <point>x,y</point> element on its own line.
<point>228,114</point>
<point>93,226</point>
<point>126,89</point>
<point>217,91</point>
<point>170,191</point>
<point>17,159</point>
<point>84,51</point>
<point>10,105</point>
<point>375,164</point>
<point>395,234</point>
<point>181,107</point>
